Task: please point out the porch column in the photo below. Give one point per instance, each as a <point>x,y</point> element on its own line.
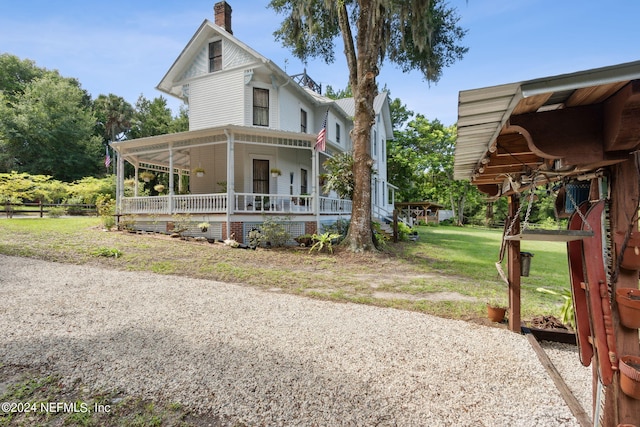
<point>314,186</point>
<point>170,179</point>
<point>119,184</point>
<point>230,179</point>
<point>135,184</point>
<point>180,181</point>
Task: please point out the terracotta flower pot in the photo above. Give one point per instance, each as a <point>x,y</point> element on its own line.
<point>630,376</point>
<point>495,314</point>
<point>628,300</point>
<point>631,257</point>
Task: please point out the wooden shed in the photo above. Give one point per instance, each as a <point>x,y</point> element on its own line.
<point>413,212</point>
<point>573,130</point>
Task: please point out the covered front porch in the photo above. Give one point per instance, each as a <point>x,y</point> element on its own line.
<point>231,174</point>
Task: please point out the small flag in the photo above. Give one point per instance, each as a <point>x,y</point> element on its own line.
<point>321,140</point>
<point>107,158</point>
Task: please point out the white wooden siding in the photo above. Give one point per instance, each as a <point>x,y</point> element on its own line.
<point>216,100</point>
<point>232,57</point>
<point>248,103</point>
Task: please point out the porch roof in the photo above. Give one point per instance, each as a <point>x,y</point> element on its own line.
<point>154,150</point>
<point>513,131</point>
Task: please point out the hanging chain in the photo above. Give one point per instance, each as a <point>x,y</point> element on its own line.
<point>577,208</point>
<point>525,224</point>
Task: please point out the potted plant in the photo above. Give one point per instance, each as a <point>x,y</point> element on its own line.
<point>199,172</point>
<point>630,376</point>
<point>147,176</point>
<point>203,226</point>
<point>275,172</point>
<point>496,310</point>
<point>159,188</point>
<point>628,300</point>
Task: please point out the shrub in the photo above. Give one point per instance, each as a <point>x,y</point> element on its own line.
<point>273,232</point>
<point>323,241</point>
<point>56,211</point>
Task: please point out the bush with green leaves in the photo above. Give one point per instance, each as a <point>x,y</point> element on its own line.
<point>56,211</point>
<point>106,208</point>
<point>324,241</point>
<point>274,232</point>
<point>403,231</point>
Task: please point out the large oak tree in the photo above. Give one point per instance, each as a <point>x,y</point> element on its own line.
<point>414,34</point>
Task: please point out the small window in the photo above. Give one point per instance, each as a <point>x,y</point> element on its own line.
<point>303,182</point>
<point>338,133</point>
<point>260,107</point>
<point>215,56</point>
<point>303,121</point>
<point>375,143</point>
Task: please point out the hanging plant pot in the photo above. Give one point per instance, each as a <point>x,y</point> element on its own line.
<point>631,256</point>
<point>630,376</point>
<point>628,300</point>
<point>496,314</point>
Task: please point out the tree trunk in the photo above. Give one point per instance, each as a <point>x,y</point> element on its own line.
<point>363,70</point>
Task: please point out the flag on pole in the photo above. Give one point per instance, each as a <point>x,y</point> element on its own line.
<point>321,140</point>
<point>107,158</point>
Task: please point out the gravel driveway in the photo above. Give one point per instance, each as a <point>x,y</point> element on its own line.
<point>265,358</point>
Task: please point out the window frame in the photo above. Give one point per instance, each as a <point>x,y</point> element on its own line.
<point>260,112</point>
<point>215,58</point>
<point>303,121</point>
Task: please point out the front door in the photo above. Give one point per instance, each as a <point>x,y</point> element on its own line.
<point>261,176</point>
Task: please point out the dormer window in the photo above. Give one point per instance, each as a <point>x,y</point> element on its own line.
<point>215,56</point>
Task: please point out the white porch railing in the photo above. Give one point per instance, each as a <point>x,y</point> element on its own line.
<point>200,203</point>
<point>335,206</point>
<point>242,203</point>
<point>273,203</point>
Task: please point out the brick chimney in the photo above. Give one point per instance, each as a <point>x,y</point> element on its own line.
<point>222,12</point>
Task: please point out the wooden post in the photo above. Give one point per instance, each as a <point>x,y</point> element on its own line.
<point>618,407</point>
<point>41,211</point>
<point>513,262</point>
<point>395,226</point>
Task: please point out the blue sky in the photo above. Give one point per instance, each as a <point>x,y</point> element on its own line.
<point>125,47</point>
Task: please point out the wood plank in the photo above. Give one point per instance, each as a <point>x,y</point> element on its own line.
<point>574,405</point>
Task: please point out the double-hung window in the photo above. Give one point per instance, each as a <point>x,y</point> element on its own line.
<point>215,56</point>
<point>260,107</point>
<point>303,121</point>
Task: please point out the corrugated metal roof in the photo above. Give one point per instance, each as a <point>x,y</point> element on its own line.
<point>483,113</point>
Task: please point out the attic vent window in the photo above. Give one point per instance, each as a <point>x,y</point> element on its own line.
<point>215,56</point>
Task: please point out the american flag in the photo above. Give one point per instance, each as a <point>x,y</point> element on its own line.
<point>107,159</point>
<point>322,135</point>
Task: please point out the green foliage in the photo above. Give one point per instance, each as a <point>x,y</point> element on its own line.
<point>88,189</point>
<point>420,162</point>
<point>324,241</point>
<point>56,211</point>
<point>340,175</point>
<point>22,187</point>
<point>106,207</point>
<point>107,252</point>
<point>403,231</point>
<point>151,118</point>
<point>567,313</point>
<point>48,130</point>
<point>114,116</point>
<point>273,232</point>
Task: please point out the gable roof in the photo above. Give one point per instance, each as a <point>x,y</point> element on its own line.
<point>172,81</point>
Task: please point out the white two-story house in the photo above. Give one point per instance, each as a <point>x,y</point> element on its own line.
<point>251,149</point>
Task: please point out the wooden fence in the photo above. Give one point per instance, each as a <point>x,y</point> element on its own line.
<point>40,209</point>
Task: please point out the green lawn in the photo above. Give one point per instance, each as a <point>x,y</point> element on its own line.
<point>444,259</point>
